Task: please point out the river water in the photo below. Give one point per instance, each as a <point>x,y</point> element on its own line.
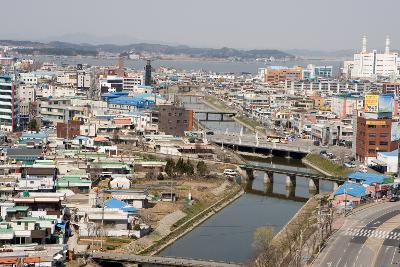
<point>190,65</point>
<point>228,235</point>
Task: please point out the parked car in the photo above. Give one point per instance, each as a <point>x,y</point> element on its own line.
<point>322,152</point>
<point>230,172</point>
<point>394,199</point>
<point>349,165</point>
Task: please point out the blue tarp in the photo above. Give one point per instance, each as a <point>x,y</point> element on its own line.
<point>352,189</point>
<point>366,178</point>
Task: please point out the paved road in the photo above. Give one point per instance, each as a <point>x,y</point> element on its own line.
<point>368,238</point>
<point>298,145</point>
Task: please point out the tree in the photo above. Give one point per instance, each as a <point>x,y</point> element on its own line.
<point>188,167</point>
<point>202,169</point>
<point>262,237</point>
<point>151,174</point>
<point>169,167</point>
<point>160,177</point>
<point>33,125</point>
<point>180,166</point>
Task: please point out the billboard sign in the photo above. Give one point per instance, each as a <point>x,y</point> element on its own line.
<point>386,103</point>
<point>371,103</point>
<point>395,131</point>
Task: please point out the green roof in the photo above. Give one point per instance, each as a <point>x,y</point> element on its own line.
<point>72,180</point>
<point>32,219</point>
<point>6,230</point>
<point>17,208</point>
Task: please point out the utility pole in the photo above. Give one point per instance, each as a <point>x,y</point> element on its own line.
<point>102,223</point>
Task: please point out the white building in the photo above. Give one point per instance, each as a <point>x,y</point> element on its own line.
<point>370,65</point>
<point>8,105</point>
<point>83,80</point>
<point>26,92</point>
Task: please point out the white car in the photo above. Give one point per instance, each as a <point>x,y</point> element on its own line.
<point>230,172</point>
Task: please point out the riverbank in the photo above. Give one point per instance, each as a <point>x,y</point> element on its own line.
<point>325,166</point>
<point>297,236</point>
<point>185,227</point>
<point>220,106</point>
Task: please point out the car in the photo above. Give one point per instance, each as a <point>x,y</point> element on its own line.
<point>394,199</point>
<point>349,165</point>
<point>230,172</point>
<point>322,152</point>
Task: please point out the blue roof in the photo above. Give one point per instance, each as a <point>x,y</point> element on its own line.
<point>34,135</point>
<point>80,137</point>
<point>352,189</point>
<point>367,178</point>
<point>114,203</point>
<point>118,204</point>
<point>393,153</point>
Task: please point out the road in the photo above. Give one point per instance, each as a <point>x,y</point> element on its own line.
<point>301,145</point>
<point>370,237</point>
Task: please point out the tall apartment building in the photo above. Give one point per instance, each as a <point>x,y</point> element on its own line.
<point>174,120</point>
<point>8,105</point>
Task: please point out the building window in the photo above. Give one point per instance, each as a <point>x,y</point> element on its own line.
<point>371,151</point>
<point>371,143</point>
<point>383,143</point>
<point>371,126</point>
<point>383,135</point>
<point>372,135</point>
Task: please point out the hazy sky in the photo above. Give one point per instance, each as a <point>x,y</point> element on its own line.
<point>281,24</point>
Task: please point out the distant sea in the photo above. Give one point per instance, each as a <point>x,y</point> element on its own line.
<point>192,65</point>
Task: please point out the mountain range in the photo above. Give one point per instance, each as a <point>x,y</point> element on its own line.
<point>68,49</point>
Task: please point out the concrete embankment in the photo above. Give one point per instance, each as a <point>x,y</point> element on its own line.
<point>190,224</point>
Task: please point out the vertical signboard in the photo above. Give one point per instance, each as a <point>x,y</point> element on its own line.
<point>371,103</point>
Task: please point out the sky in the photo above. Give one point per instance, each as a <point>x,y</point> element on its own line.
<point>245,24</point>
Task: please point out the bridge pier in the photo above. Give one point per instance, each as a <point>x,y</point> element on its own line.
<point>268,188</point>
<point>290,180</point>
<point>247,174</point>
<point>290,192</point>
<point>313,185</point>
<point>268,177</point>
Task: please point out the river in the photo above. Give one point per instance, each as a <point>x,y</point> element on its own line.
<point>228,235</point>
<point>189,65</point>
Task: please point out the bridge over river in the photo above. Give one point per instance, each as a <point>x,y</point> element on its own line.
<point>247,171</point>
<point>156,260</point>
<point>255,144</point>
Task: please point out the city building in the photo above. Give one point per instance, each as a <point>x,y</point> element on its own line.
<point>8,105</point>
<point>312,72</point>
<point>371,65</point>
<point>344,105</point>
<point>376,130</point>
<point>147,75</point>
<point>174,120</point>
<point>276,74</point>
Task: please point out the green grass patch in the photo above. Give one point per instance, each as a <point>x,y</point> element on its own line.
<point>191,211</point>
<point>328,166</point>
